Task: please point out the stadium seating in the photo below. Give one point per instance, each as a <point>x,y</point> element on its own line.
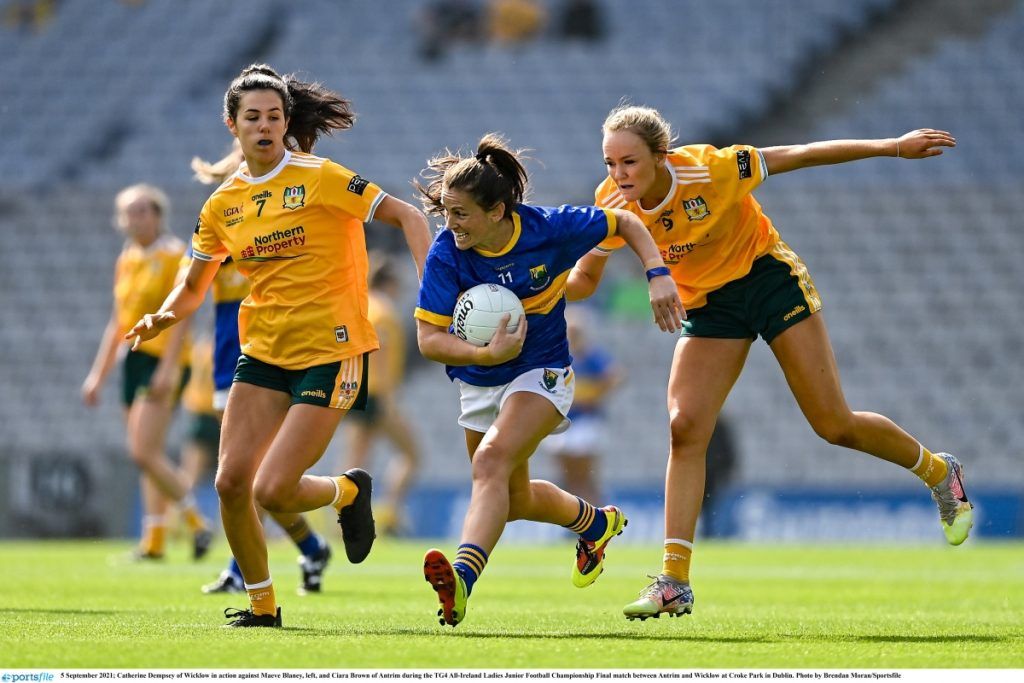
<point>919,263</point>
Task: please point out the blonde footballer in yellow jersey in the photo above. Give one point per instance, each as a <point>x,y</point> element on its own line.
<point>738,281</point>
<point>294,224</point>
<point>152,373</point>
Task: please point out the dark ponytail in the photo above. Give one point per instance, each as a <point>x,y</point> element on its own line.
<point>495,174</point>
<point>312,110</point>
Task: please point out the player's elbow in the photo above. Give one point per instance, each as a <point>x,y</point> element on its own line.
<point>579,286</point>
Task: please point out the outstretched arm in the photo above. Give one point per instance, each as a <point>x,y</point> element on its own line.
<point>181,303</point>
<point>413,224</point>
<point>917,144</point>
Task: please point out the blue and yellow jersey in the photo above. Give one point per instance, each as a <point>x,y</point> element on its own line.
<point>593,369</point>
<point>229,290</point>
<point>535,264</point>
<point>143,277</point>
<point>709,228</point>
<point>297,234</point>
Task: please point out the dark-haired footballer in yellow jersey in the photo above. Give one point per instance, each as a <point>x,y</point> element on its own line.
<point>297,235</point>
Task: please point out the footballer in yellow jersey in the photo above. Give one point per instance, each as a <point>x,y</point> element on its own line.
<point>145,273</point>
<point>710,228</point>
<point>143,277</point>
<point>739,281</point>
<point>293,222</point>
<point>297,234</point>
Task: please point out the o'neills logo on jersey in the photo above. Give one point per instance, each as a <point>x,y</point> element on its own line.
<point>275,242</point>
<point>696,208</point>
<point>295,197</point>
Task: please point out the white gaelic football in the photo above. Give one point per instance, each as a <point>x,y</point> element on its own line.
<point>478,313</point>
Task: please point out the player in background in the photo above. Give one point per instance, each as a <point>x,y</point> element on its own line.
<point>578,448</point>
<point>229,290</point>
<point>518,389</point>
<point>738,280</point>
<point>382,415</point>
<point>152,372</point>
<point>293,222</point>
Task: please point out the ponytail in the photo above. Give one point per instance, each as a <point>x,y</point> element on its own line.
<point>493,175</point>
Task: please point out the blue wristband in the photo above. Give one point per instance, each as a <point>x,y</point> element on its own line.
<point>655,272</point>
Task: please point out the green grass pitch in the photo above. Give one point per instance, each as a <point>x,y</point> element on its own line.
<point>79,604</point>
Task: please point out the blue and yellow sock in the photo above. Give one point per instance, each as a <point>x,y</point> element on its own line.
<point>590,523</point>
<point>469,564</point>
<point>305,539</point>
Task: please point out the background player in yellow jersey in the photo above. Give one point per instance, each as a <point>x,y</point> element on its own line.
<point>229,290</point>
<point>518,388</point>
<point>383,416</point>
<point>152,373</point>
<point>293,223</point>
<point>738,280</point>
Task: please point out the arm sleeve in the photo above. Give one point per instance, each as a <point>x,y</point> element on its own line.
<point>345,192</point>
<point>582,228</point>
<point>736,171</point>
<point>206,243</point>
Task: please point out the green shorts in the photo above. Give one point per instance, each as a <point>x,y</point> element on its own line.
<point>341,384</point>
<point>138,373</point>
<point>204,429</point>
<point>776,294</point>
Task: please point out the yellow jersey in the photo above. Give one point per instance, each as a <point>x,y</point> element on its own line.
<point>297,234</point>
<point>392,346</point>
<point>709,228</point>
<point>143,277</point>
<point>198,394</point>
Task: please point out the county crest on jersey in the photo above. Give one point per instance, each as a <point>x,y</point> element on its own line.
<point>709,228</point>
<point>297,234</point>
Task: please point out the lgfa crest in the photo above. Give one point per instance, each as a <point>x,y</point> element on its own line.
<point>539,277</point>
<point>696,208</point>
<point>294,197</point>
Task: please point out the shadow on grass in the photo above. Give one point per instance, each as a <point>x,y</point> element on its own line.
<point>674,636</point>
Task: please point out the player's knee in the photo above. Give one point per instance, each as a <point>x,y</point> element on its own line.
<point>838,430</point>
<point>271,495</point>
<point>231,487</point>
<point>491,463</point>
<point>685,431</point>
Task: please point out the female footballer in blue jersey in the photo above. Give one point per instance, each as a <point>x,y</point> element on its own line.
<point>518,389</point>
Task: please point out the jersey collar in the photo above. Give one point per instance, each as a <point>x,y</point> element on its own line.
<point>517,229</point>
<point>671,192</point>
<point>269,175</point>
